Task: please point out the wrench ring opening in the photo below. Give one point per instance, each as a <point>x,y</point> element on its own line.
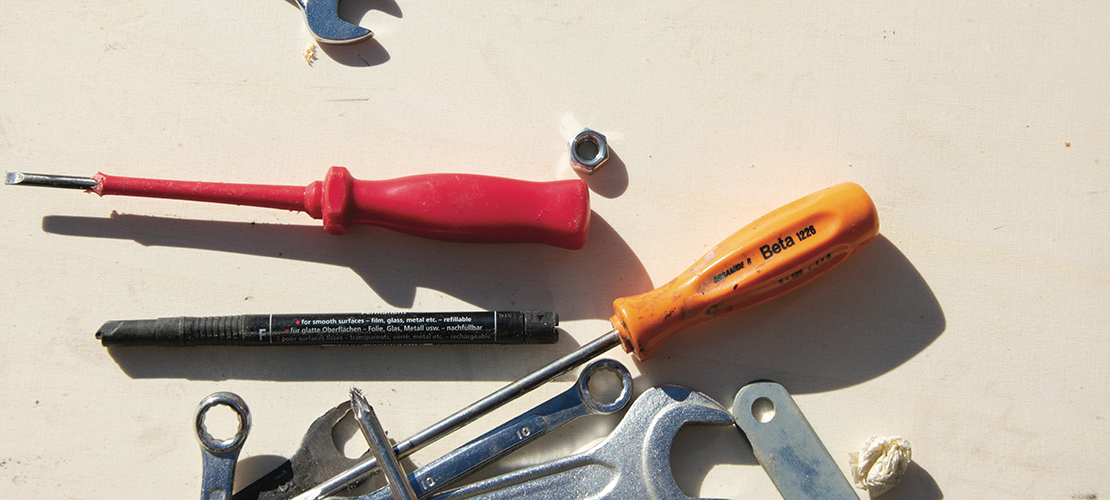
<point>223,446</point>
<point>622,399</point>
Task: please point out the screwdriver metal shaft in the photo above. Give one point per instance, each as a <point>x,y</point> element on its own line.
<point>462,417</point>
<point>55,181</point>
<point>760,262</point>
<point>379,445</point>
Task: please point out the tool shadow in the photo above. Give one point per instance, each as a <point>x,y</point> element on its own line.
<point>367,52</point>
<point>579,284</point>
<point>866,317</point>
<point>863,319</point>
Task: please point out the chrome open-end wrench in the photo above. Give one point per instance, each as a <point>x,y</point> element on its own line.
<point>633,462</point>
<point>322,17</point>
<point>315,460</point>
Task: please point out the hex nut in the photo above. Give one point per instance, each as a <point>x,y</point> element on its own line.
<point>588,140</point>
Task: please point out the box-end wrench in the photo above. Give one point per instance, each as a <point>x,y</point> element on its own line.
<point>772,256</point>
<point>633,462</point>
<point>318,459</point>
<point>573,403</point>
<point>219,456</point>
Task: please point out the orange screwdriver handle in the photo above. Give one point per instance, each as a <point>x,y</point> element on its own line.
<point>777,253</point>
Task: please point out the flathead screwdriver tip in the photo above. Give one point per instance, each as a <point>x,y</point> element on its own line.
<point>48,180</point>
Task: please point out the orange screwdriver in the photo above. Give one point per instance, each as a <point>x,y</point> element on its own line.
<point>776,254</point>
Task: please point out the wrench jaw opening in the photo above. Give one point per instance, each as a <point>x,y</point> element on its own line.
<point>322,17</point>
<point>683,407</point>
<point>315,460</point>
<point>633,462</point>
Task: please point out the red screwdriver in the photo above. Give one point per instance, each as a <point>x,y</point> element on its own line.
<point>449,207</point>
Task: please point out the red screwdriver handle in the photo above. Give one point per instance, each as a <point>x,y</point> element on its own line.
<point>456,207</point>
<point>449,207</point>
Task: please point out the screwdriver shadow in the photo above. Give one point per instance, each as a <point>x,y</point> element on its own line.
<point>577,284</point>
<point>863,319</point>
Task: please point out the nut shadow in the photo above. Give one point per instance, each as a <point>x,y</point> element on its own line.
<point>609,181</point>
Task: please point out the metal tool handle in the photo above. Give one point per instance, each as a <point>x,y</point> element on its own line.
<point>634,461</point>
<point>573,403</point>
<point>380,447</point>
<point>787,446</point>
<point>466,415</point>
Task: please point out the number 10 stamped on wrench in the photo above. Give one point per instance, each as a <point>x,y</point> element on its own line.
<point>632,462</point>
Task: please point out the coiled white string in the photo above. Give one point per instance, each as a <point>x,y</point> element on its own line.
<point>879,465</point>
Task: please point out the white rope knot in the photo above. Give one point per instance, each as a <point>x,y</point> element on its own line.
<point>879,465</point>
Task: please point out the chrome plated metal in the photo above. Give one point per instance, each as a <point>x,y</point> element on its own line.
<point>219,456</point>
<point>48,180</point>
<point>322,17</point>
<point>573,403</point>
<point>468,414</point>
<point>372,430</point>
<point>786,445</point>
<point>633,462</point>
<point>316,460</point>
<point>583,162</point>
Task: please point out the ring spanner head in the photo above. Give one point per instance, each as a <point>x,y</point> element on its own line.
<point>219,456</point>
<point>322,17</point>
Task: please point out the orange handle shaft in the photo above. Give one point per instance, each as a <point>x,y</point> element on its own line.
<point>777,253</point>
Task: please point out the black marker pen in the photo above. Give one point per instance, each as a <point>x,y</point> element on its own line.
<point>487,327</point>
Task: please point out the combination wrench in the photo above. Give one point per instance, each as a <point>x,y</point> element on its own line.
<point>756,264</point>
<point>318,458</point>
<point>634,461</point>
<point>220,456</point>
<point>531,425</point>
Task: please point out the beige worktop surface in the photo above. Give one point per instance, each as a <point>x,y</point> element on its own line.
<point>974,326</point>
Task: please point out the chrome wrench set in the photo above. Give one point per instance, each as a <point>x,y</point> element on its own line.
<point>632,462</point>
